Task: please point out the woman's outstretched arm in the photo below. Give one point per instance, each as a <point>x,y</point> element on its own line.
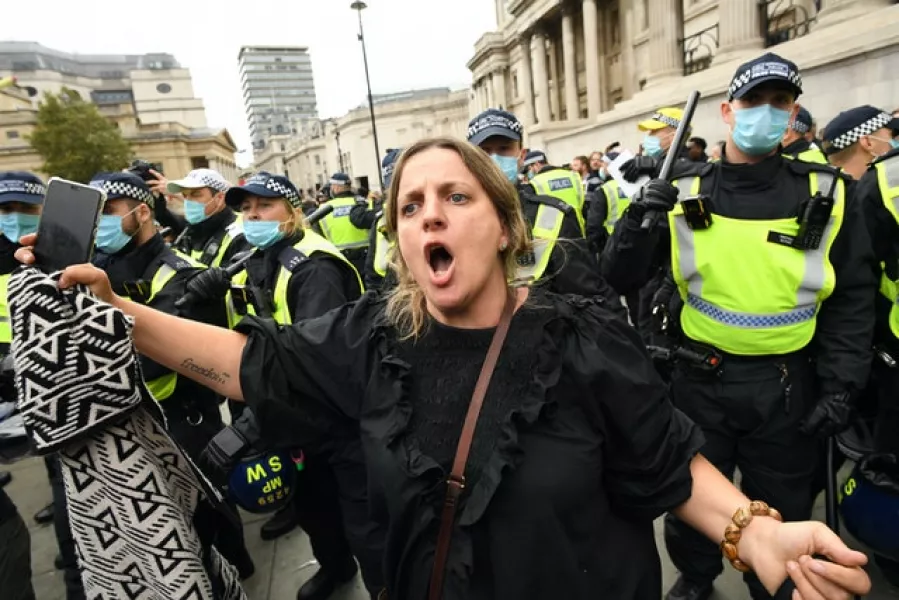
<point>209,355</point>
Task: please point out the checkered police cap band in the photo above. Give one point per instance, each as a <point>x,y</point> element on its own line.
<point>760,70</point>
<point>538,157</point>
<point>494,121</point>
<point>18,186</point>
<point>841,142</point>
<point>124,189</point>
<point>275,186</point>
<point>799,127</point>
<point>212,180</point>
<point>669,121</point>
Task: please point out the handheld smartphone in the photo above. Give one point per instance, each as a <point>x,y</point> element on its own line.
<point>68,225</point>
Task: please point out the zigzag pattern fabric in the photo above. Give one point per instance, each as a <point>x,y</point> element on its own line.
<point>132,492</point>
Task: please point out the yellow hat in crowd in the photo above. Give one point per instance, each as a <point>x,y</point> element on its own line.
<point>664,117</point>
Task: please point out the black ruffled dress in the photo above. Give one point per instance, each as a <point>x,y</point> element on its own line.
<point>576,451</point>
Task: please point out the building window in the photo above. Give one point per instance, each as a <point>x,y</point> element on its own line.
<point>199,162</point>
<point>163,88</point>
<point>12,134</point>
<point>277,59</point>
<point>515,92</point>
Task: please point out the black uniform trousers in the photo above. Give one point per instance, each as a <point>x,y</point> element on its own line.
<point>62,529</point>
<point>193,425</point>
<point>15,553</point>
<point>331,505</point>
<point>750,412</point>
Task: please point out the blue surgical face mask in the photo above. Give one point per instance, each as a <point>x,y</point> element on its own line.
<point>263,234</point>
<point>760,129</point>
<point>111,237</point>
<point>194,212</point>
<point>14,225</point>
<point>652,146</point>
<point>508,165</point>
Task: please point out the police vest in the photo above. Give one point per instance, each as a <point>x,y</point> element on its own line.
<point>163,387</point>
<point>564,185</point>
<point>290,258</point>
<point>5,327</point>
<point>616,203</point>
<point>212,253</point>
<point>382,248</point>
<point>888,183</point>
<point>813,155</point>
<point>339,230</point>
<point>744,294</point>
<point>545,234</point>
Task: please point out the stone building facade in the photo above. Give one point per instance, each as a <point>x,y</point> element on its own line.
<point>346,144</point>
<point>581,73</point>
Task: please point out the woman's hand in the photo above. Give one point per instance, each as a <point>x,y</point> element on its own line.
<point>776,551</point>
<point>85,274</point>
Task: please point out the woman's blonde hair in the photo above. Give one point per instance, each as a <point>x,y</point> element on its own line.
<point>406,309</point>
<point>298,223</point>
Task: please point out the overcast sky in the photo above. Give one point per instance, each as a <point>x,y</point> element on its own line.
<point>411,43</point>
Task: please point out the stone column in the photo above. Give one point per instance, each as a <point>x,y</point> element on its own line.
<point>629,73</point>
<point>591,51</point>
<point>541,78</point>
<point>488,90</point>
<point>525,79</point>
<point>555,94</point>
<point>572,107</point>
<point>666,26</point>
<point>739,27</point>
<point>499,89</point>
<point>839,11</point>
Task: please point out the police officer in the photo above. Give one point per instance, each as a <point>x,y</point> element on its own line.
<point>771,256</point>
<point>612,201</point>
<point>858,136</point>
<point>142,267</point>
<point>377,275</point>
<point>878,193</point>
<point>795,142</point>
<point>561,258</point>
<point>597,174</point>
<point>338,227</point>
<point>296,274</point>
<point>214,233</point>
<point>564,184</point>
<point>21,199</point>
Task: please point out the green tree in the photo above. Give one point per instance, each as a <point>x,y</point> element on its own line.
<point>75,140</point>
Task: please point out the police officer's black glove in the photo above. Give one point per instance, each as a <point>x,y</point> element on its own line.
<point>639,166</point>
<point>657,195</point>
<point>210,284</point>
<point>832,415</point>
<point>227,447</point>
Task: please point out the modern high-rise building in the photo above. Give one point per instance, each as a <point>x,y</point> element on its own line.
<point>278,89</point>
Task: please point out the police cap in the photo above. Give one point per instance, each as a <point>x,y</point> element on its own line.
<point>21,186</point>
<point>124,184</point>
<point>849,126</point>
<point>768,68</point>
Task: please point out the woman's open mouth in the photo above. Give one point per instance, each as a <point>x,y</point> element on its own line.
<point>441,262</point>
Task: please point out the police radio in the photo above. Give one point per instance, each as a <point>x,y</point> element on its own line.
<point>813,221</point>
<point>697,212</point>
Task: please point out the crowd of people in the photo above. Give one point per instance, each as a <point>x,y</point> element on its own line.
<point>646,338</point>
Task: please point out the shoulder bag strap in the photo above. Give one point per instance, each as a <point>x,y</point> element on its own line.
<point>456,482</point>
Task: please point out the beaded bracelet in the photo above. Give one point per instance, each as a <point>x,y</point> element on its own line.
<point>734,531</point>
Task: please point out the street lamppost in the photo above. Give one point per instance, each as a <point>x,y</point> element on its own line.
<point>337,139</point>
<point>359,6</point>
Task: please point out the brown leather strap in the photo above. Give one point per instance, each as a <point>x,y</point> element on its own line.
<point>456,482</point>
